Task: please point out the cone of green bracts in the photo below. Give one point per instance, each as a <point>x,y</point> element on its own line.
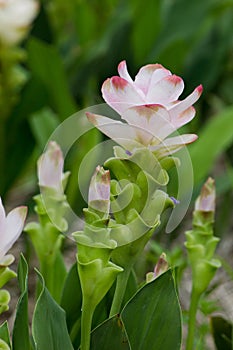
<point>200,241</point>
<point>201,244</point>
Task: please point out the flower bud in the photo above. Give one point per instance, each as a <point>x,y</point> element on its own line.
<point>206,200</point>
<point>160,267</point>
<point>99,191</point>
<point>50,168</point>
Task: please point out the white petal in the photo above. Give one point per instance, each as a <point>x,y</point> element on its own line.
<point>14,225</point>
<point>154,119</point>
<point>128,136</point>
<point>183,118</point>
<point>149,75</point>
<point>120,94</point>
<point>123,72</point>
<point>165,90</point>
<point>173,144</point>
<point>186,103</point>
<point>2,218</point>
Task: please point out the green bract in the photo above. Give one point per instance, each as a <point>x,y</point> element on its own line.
<point>4,300</point>
<point>201,245</point>
<point>47,238</point>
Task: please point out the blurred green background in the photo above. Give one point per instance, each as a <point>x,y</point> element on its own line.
<point>73,46</point>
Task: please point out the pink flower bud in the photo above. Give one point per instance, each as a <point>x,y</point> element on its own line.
<point>99,190</point>
<point>161,267</point>
<point>50,167</point>
<point>206,200</point>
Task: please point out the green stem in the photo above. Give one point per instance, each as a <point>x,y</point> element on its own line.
<point>46,270</point>
<point>121,284</point>
<point>195,296</point>
<point>86,321</point>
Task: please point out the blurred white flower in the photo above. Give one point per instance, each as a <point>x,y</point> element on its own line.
<point>11,227</point>
<point>15,19</point>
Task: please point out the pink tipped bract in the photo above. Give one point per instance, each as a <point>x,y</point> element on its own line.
<point>50,167</point>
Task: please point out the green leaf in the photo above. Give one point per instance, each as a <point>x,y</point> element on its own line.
<point>46,64</point>
<point>4,333</point>
<point>222,331</point>
<point>43,123</point>
<point>71,302</point>
<point>20,337</point>
<point>214,138</point>
<point>59,276</point>
<point>110,335</point>
<point>144,34</point>
<point>49,327</point>
<point>155,311</point>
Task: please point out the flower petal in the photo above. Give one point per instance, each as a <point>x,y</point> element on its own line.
<point>183,118</point>
<point>14,225</point>
<point>120,94</point>
<point>165,90</point>
<point>149,75</point>
<point>173,144</point>
<point>123,72</point>
<point>2,217</point>
<point>186,103</point>
<point>128,136</point>
<point>153,118</point>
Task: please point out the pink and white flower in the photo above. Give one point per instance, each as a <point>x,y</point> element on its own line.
<point>153,85</point>
<point>15,19</point>
<point>11,227</point>
<point>50,168</point>
<point>151,108</point>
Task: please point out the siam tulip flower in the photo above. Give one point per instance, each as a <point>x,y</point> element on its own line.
<point>15,19</point>
<point>153,85</point>
<point>99,190</point>
<point>11,227</point>
<point>150,107</point>
<point>206,201</point>
<point>50,168</point>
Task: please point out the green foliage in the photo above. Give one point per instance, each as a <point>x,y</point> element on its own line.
<point>143,312</point>
<point>46,65</point>
<point>20,337</point>
<point>49,328</point>
<point>216,136</point>
<point>4,336</point>
<point>222,332</point>
<point>110,335</point>
<point>71,302</point>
